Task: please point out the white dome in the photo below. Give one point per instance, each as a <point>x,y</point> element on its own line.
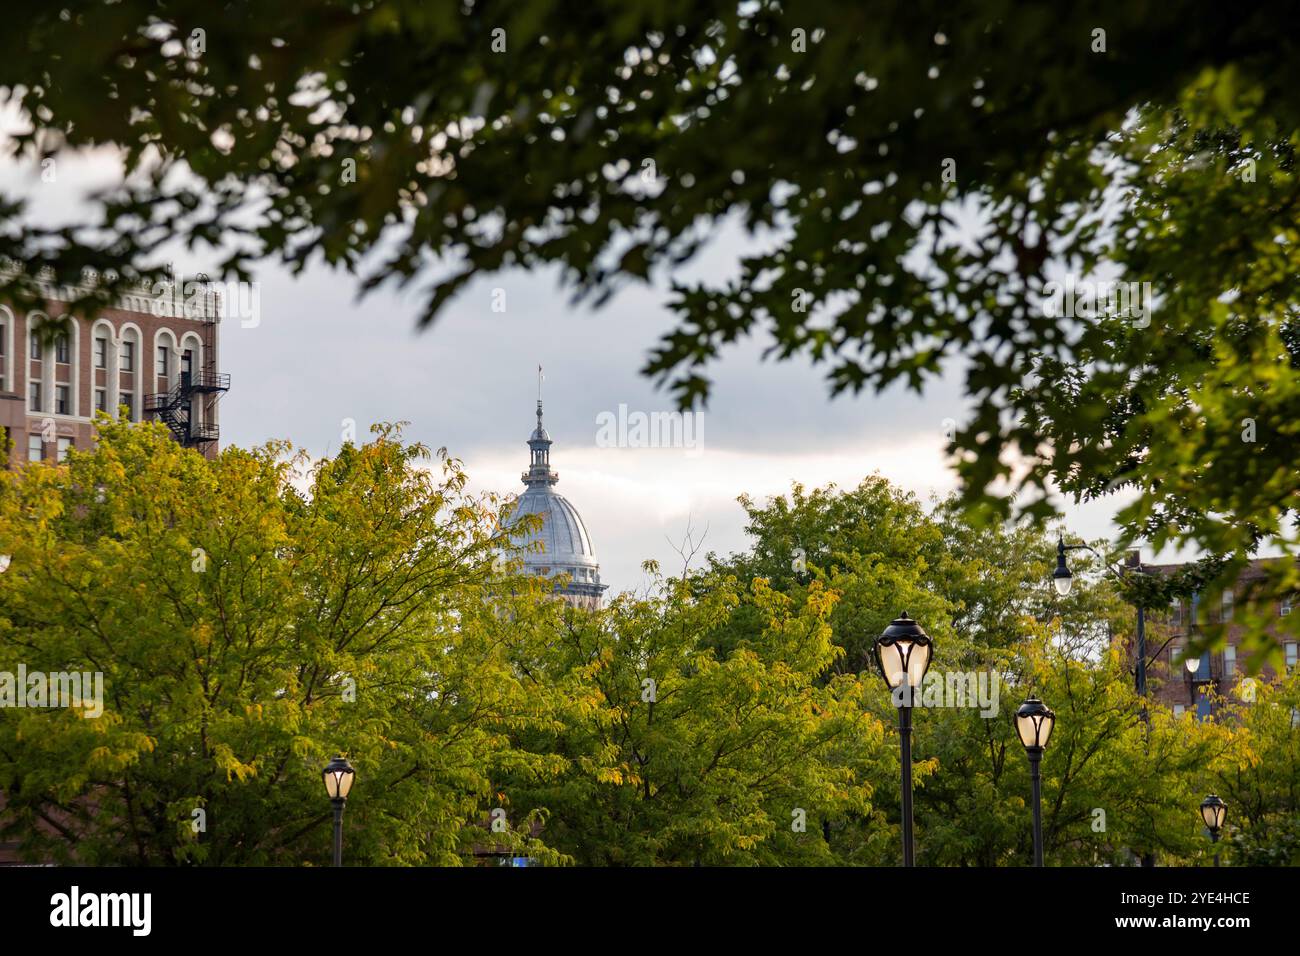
<point>563,536</point>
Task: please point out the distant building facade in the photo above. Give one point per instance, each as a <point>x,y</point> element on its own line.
<point>561,546</point>
<point>155,354</point>
<point>1221,670</point>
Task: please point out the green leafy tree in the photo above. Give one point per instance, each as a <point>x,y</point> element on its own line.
<point>250,618</point>
<point>681,754</point>
<point>1260,778</point>
<point>1112,788</point>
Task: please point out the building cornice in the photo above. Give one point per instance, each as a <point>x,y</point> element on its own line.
<point>193,299</point>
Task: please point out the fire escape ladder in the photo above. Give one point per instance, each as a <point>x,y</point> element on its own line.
<point>173,408</point>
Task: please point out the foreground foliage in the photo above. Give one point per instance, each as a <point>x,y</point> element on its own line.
<point>928,175</point>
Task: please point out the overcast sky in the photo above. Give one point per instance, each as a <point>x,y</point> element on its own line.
<point>317,357</point>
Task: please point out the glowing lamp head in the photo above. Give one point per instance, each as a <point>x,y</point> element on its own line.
<point>1034,723</point>
<point>1213,812</point>
<point>902,653</point>
<point>338,776</point>
<point>1062,577</point>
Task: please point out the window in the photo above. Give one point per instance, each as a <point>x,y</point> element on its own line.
<point>101,399</point>
<point>64,445</point>
<point>1179,710</point>
<point>1229,660</point>
<point>128,399</point>
<point>1290,654</point>
<point>101,352</point>
<point>35,448</point>
<point>1285,609</point>
<point>34,392</point>
<point>61,350</point>
<point>36,346</point>
<point>62,400</point>
<point>1227,606</point>
<point>161,364</point>
<point>1176,613</point>
<point>128,357</point>
<point>187,362</point>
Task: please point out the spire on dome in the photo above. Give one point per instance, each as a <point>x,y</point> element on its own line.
<point>539,444</point>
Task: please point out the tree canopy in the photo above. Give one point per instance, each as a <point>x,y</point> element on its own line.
<point>252,615</point>
<point>245,631</point>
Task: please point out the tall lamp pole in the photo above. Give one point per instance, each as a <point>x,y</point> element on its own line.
<point>1034,723</point>
<point>1193,665</point>
<point>338,776</point>
<point>902,653</point>
<point>1064,580</point>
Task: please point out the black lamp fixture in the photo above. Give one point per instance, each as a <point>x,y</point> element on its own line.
<point>1034,722</point>
<point>338,776</point>
<point>1213,813</point>
<point>902,653</point>
<point>1062,577</point>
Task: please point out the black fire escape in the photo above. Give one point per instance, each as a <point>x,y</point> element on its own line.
<point>174,408</point>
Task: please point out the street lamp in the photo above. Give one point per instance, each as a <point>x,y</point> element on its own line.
<point>1193,665</point>
<point>1063,579</point>
<point>338,776</point>
<point>1034,723</point>
<point>903,653</point>
<point>1213,812</point>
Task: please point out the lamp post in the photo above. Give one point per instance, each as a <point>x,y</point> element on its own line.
<point>1213,812</point>
<point>338,776</point>
<point>1034,723</point>
<point>902,653</point>
<point>1064,580</point>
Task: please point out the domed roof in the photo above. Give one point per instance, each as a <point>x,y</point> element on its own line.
<point>561,545</point>
<point>563,536</point>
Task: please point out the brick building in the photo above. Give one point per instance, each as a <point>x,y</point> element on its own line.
<point>1224,669</point>
<point>155,353</point>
